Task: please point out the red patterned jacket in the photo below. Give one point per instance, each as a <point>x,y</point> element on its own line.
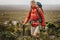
<point>34,16</point>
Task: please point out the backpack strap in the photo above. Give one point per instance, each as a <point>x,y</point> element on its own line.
<point>38,12</point>
<point>40,19</point>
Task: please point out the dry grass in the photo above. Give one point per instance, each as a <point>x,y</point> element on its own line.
<point>50,16</point>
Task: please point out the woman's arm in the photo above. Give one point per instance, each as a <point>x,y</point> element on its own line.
<point>27,18</point>
<point>42,16</point>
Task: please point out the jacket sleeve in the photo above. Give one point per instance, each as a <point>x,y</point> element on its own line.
<point>42,16</point>
<point>27,18</point>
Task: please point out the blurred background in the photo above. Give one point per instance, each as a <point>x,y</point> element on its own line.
<point>16,9</point>
<point>13,13</point>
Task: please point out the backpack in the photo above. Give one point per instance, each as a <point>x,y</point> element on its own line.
<point>40,5</point>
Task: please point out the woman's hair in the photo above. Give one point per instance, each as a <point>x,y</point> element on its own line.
<point>33,1</point>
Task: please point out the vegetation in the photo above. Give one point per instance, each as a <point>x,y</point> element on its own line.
<point>9,32</point>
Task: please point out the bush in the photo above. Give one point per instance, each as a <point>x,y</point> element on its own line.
<point>9,32</point>
<point>54,29</point>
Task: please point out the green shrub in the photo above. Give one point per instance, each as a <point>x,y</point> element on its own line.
<point>9,32</point>
<point>54,28</point>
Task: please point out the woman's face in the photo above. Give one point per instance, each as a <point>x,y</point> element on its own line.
<point>33,4</point>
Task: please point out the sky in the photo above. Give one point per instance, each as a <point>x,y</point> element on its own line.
<point>24,4</point>
<point>27,2</point>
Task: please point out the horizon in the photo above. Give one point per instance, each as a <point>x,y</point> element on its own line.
<point>26,7</point>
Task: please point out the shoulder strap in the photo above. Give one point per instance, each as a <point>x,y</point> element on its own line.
<point>40,19</point>
<point>38,12</point>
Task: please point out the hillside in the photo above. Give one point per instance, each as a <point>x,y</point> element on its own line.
<point>50,16</point>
